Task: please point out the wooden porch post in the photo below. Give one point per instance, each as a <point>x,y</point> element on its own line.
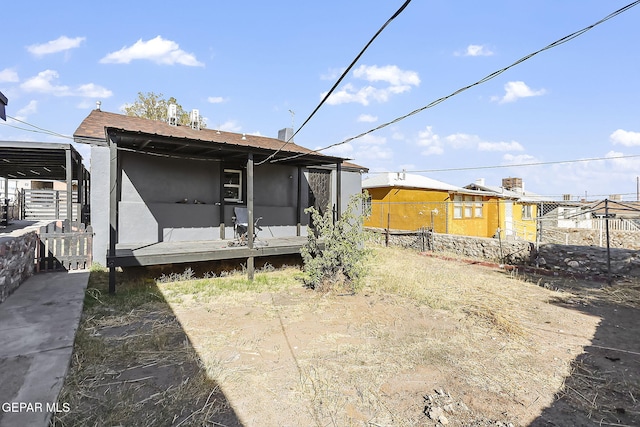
<point>221,212</point>
<point>250,234</point>
<point>69,173</point>
<point>5,204</point>
<point>80,175</point>
<point>113,215</point>
<point>338,190</point>
<point>299,202</point>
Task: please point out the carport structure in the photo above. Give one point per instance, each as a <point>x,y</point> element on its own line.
<point>45,161</point>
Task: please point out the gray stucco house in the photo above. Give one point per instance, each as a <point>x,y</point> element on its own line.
<point>165,193</point>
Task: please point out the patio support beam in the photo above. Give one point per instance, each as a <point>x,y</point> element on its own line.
<point>299,202</point>
<point>80,175</point>
<point>113,215</point>
<point>5,203</point>
<point>338,190</point>
<point>221,203</point>
<point>250,234</point>
<point>69,177</point>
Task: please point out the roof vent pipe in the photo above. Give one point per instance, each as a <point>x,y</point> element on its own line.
<point>98,104</point>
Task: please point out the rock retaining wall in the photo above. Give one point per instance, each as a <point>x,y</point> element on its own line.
<point>16,261</point>
<point>588,237</point>
<point>584,261</point>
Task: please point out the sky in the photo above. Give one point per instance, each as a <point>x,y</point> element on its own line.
<point>256,67</point>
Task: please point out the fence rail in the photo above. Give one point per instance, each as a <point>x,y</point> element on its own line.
<point>45,204</point>
<point>619,224</point>
<point>64,245</point>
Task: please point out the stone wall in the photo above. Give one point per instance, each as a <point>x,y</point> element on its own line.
<point>589,261</point>
<point>583,261</point>
<point>510,252</point>
<point>591,237</point>
<point>16,261</point>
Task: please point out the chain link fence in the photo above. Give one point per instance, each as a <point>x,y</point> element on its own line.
<point>566,223</point>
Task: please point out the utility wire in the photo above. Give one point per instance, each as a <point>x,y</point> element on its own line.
<point>39,129</point>
<point>483,80</point>
<point>344,74</point>
<point>558,162</point>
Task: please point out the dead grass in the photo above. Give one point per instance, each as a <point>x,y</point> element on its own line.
<point>280,354</point>
<point>134,365</point>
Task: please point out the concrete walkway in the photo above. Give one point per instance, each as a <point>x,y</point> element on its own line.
<point>38,323</point>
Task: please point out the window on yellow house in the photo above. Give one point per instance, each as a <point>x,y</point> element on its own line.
<point>468,206</point>
<point>477,206</point>
<point>527,212</point>
<point>457,206</point>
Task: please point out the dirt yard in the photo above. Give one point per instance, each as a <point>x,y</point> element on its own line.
<point>425,342</point>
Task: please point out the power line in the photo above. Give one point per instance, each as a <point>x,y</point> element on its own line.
<point>39,129</point>
<point>557,162</point>
<point>344,74</point>
<point>556,43</point>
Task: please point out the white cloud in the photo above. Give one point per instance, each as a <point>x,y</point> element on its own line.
<point>398,136</point>
<point>500,146</point>
<point>332,74</point>
<point>366,148</point>
<point>27,110</point>
<point>8,76</point>
<point>462,140</point>
<point>158,50</point>
<point>432,150</point>
<point>398,81</point>
<point>216,99</point>
<point>389,73</point>
<point>230,126</point>
<point>626,138</point>
<point>367,118</point>
<point>513,159</point>
<point>427,138</point>
<point>60,44</point>
<point>44,82</point>
<point>458,141</point>
<point>92,90</point>
<point>477,50</point>
<point>516,90</point>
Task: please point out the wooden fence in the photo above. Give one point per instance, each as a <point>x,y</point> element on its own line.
<point>64,245</point>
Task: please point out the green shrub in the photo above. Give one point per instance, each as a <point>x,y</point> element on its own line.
<point>334,254</point>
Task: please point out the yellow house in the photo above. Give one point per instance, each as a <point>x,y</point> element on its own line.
<point>401,201</point>
<point>515,210</point>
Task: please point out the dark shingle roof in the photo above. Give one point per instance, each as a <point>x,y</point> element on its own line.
<point>94,127</point>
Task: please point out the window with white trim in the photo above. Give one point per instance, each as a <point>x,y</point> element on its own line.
<point>477,206</point>
<point>457,206</point>
<point>232,185</point>
<point>468,206</point>
<point>527,212</point>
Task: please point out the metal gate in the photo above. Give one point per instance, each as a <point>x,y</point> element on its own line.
<point>45,204</point>
<point>320,189</point>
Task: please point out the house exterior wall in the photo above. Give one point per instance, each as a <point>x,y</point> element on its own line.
<point>150,188</point>
<point>153,191</point>
<point>99,202</point>
<point>407,208</point>
<point>522,227</point>
<point>351,182</point>
<point>411,209</point>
